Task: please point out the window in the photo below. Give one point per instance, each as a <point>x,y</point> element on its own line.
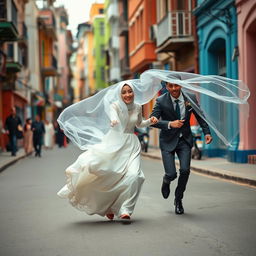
<point>102,29</point>
<point>222,68</point>
<point>101,11</point>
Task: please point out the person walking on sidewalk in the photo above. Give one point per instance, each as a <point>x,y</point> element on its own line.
<point>13,126</point>
<point>28,136</point>
<point>38,132</point>
<point>174,110</point>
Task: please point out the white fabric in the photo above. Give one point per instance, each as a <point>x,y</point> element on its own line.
<point>224,97</point>
<point>85,123</point>
<point>105,181</point>
<point>48,136</point>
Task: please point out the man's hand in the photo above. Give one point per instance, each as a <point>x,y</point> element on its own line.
<point>113,123</point>
<point>208,138</point>
<point>176,123</point>
<point>153,120</point>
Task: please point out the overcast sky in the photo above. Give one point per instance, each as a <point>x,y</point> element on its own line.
<point>78,11</point>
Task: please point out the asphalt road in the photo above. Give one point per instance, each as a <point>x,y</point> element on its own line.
<point>219,216</point>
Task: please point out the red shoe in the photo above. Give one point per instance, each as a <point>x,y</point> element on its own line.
<point>125,216</point>
<point>110,216</point>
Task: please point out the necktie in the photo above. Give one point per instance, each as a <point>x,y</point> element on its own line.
<point>177,109</point>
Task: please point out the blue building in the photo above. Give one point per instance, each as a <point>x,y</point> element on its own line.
<point>217,42</point>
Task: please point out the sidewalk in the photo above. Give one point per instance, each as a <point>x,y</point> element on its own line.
<point>218,167</point>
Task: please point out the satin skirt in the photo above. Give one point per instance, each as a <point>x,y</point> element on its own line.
<point>107,178</point>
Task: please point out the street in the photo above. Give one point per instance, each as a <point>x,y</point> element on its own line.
<point>219,216</point>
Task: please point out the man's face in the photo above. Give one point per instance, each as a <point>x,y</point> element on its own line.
<point>173,89</point>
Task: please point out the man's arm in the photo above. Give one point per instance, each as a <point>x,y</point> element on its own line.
<point>157,112</point>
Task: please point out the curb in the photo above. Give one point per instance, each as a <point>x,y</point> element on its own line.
<point>224,176</point>
<point>11,162</point>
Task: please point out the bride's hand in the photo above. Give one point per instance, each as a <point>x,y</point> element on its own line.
<point>113,123</point>
<point>153,120</point>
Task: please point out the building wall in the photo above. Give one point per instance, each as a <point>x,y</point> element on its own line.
<point>216,36</point>
<point>33,45</point>
<point>99,53</point>
<point>141,48</point>
<point>246,11</point>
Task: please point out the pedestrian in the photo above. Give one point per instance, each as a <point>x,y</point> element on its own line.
<point>38,132</point>
<point>13,127</point>
<point>107,178</point>
<point>49,135</point>
<point>59,135</point>
<point>28,136</point>
<point>174,109</point>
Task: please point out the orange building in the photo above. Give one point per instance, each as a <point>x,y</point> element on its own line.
<point>141,48</point>
<point>48,61</point>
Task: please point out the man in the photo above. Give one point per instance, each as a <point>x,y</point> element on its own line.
<point>11,125</point>
<point>38,132</point>
<point>175,110</point>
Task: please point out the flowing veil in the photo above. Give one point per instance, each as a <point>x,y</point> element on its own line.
<point>87,121</point>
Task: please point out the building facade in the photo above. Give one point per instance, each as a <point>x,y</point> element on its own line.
<point>246,16</point>
<point>217,55</point>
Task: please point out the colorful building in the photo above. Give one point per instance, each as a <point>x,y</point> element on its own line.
<point>246,17</point>
<point>14,71</point>
<point>113,44</point>
<point>174,33</point>
<point>98,26</point>
<point>48,51</point>
<point>124,40</point>
<point>217,34</point>
<point>63,95</point>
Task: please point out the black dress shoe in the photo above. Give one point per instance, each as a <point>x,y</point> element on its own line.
<point>165,190</point>
<point>178,207</point>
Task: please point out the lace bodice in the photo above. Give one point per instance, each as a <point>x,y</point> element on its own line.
<point>134,118</point>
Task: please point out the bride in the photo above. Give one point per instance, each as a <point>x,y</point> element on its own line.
<point>106,179</point>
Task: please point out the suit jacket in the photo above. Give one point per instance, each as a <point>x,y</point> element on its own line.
<point>165,112</point>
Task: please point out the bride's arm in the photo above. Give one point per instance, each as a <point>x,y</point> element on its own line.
<point>113,115</point>
<point>145,123</point>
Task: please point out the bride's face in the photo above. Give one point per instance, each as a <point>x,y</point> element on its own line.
<point>127,94</point>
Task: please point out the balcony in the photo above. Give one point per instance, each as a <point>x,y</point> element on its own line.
<point>8,21</point>
<point>49,66</point>
<point>14,58</point>
<point>112,12</point>
<point>174,31</point>
<point>114,43</point>
<point>125,69</point>
<point>47,22</point>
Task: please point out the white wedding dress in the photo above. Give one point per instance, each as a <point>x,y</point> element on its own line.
<point>107,178</point>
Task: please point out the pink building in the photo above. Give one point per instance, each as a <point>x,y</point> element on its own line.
<point>246,15</point>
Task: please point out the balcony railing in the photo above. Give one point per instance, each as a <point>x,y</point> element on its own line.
<point>8,20</point>
<point>114,42</point>
<point>175,25</point>
<point>14,57</point>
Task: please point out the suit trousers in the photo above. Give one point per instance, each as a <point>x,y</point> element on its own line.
<point>183,151</point>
